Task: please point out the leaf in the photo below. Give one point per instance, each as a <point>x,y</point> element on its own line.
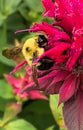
<point>1,128</point>
<point>1,20</point>
<point>62,129</point>
<point>38,113</point>
<point>5,90</point>
<point>4,69</point>
<point>30,15</point>
<point>24,11</point>
<point>3,103</point>
<point>7,7</point>
<point>56,111</point>
<point>1,125</point>
<point>20,124</point>
<point>12,109</point>
<point>3,44</point>
<point>17,24</point>
<point>50,128</point>
<point>1,114</point>
<point>2,37</point>
<point>73,112</point>
<point>34,5</point>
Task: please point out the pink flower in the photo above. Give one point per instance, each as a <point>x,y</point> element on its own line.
<point>65,49</point>
<point>19,83</point>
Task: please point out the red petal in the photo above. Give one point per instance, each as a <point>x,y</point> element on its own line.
<point>56,52</point>
<point>45,81</point>
<point>34,94</point>
<point>18,66</point>
<point>67,27</point>
<point>72,60</point>
<point>54,87</point>
<point>15,83</point>
<point>73,112</point>
<point>51,83</point>
<point>81,84</point>
<point>50,30</point>
<point>50,8</point>
<point>61,75</point>
<point>69,88</point>
<point>76,50</point>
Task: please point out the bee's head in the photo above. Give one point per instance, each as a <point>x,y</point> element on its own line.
<point>42,41</point>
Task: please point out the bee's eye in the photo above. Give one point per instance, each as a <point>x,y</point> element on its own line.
<point>27,49</point>
<point>42,40</point>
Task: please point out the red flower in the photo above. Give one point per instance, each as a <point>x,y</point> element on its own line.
<point>65,48</point>
<point>19,83</point>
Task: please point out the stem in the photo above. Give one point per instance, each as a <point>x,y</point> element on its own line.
<point>4,27</point>
<point>5,31</point>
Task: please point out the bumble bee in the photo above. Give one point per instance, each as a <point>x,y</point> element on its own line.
<point>31,50</point>
<point>34,48</point>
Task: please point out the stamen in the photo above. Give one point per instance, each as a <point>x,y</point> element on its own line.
<point>18,31</point>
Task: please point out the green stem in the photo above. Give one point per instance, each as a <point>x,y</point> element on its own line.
<point>5,31</point>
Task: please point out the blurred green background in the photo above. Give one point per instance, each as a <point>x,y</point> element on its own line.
<point>37,114</point>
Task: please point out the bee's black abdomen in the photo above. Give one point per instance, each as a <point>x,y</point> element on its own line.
<point>42,41</point>
<point>46,63</point>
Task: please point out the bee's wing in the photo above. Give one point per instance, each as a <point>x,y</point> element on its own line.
<point>10,53</point>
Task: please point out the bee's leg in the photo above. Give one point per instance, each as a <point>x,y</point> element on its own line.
<point>34,70</point>
<point>35,77</point>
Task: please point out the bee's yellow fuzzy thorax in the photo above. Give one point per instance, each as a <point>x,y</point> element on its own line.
<point>29,48</point>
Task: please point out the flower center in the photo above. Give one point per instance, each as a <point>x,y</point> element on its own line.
<point>77,70</point>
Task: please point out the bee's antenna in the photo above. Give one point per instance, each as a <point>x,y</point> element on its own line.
<point>18,31</point>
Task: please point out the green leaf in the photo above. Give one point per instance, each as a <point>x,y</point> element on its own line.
<point>5,90</point>
<point>1,128</point>
<point>2,58</point>
<point>56,111</point>
<point>3,45</point>
<point>63,128</point>
<point>20,124</point>
<point>4,69</point>
<point>34,5</point>
<point>1,20</point>
<point>6,61</point>
<point>17,24</point>
<point>3,103</point>
<point>51,128</point>
<point>24,11</point>
<point>1,125</point>
<point>1,114</point>
<point>29,15</point>
<point>3,35</point>
<point>8,7</point>
<point>12,109</point>
<point>38,113</point>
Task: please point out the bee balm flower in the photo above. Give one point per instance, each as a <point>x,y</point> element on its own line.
<point>19,83</point>
<point>65,48</point>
